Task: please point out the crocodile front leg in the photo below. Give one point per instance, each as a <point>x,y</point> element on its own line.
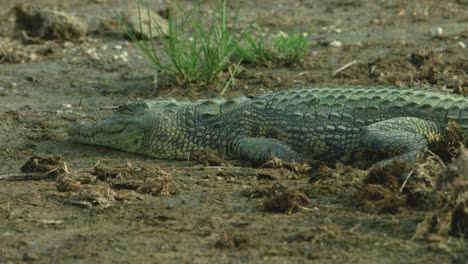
<point>260,150</point>
<point>402,138</point>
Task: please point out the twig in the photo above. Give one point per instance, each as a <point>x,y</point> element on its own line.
<point>306,208</point>
<point>170,93</point>
<point>26,176</point>
<point>344,67</point>
<point>28,202</point>
<point>436,157</point>
<point>354,228</point>
<point>108,107</point>
<point>32,175</point>
<point>47,221</point>
<point>208,167</point>
<point>65,168</point>
<point>79,203</point>
<point>406,180</point>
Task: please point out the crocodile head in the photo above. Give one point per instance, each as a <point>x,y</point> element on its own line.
<point>123,130</point>
<point>145,127</point>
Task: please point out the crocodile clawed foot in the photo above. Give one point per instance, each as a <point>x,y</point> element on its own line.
<point>391,173</point>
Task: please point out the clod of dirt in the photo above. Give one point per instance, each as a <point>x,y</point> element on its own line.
<point>72,182</point>
<point>52,165</point>
<point>96,195</point>
<point>10,52</point>
<point>234,241</point>
<point>275,162</point>
<point>86,195</point>
<point>129,172</point>
<point>67,184</point>
<point>327,230</point>
<point>324,172</point>
<point>340,180</point>
<point>380,191</point>
<point>152,181</point>
<point>48,24</point>
<point>276,168</point>
<point>120,183</point>
<point>281,198</point>
<point>387,189</point>
<point>131,18</point>
<point>450,215</point>
<point>418,59</point>
<point>390,176</point>
<point>103,173</point>
<point>376,198</point>
<point>275,174</point>
<point>85,178</point>
<point>421,183</point>
<point>455,139</point>
<point>158,186</point>
<point>208,157</point>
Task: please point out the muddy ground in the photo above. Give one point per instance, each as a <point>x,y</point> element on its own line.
<point>111,206</point>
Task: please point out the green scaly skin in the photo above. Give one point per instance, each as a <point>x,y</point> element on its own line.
<point>312,123</point>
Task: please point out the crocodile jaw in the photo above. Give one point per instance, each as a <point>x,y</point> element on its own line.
<point>118,131</point>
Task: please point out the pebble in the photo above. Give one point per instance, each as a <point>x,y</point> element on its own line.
<point>462,44</point>
<point>122,56</point>
<point>93,54</point>
<point>336,44</point>
<point>437,31</point>
<point>332,28</point>
<point>67,44</point>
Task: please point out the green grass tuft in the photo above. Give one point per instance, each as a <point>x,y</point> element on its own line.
<point>291,48</point>
<point>287,48</point>
<point>195,54</point>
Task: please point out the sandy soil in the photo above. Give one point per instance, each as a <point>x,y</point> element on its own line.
<point>125,208</point>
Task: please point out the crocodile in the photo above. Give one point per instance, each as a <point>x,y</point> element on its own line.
<point>322,123</point>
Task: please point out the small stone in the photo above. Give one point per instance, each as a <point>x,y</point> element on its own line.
<point>336,44</point>
<point>437,31</point>
<point>33,57</point>
<point>92,53</point>
<point>462,45</point>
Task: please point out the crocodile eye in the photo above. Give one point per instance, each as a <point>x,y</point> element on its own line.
<point>125,109</point>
